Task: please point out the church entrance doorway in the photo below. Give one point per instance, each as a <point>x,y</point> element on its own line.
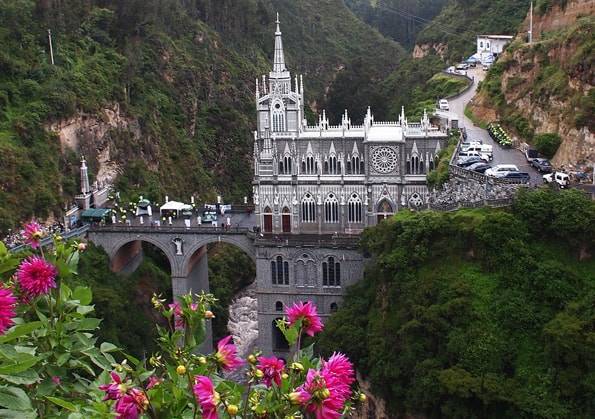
<point>268,220</point>
<point>385,210</point>
<point>286,220</point>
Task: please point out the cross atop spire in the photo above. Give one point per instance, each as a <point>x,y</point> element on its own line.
<point>279,58</point>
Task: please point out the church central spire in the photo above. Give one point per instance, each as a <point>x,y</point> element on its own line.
<point>279,59</point>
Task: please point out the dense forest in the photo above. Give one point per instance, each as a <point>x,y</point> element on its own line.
<point>478,313</point>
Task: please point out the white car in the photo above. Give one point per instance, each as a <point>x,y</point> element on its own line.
<point>484,150</point>
<point>560,178</point>
<point>500,170</point>
<point>443,105</point>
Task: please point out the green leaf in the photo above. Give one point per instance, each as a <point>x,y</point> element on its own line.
<point>14,398</point>
<point>62,358</point>
<point>22,378</point>
<point>14,414</point>
<point>88,324</point>
<point>85,309</point>
<point>83,294</point>
<point>14,368</point>
<point>62,403</point>
<point>108,347</point>
<point>20,330</point>
<point>73,262</point>
<point>65,291</point>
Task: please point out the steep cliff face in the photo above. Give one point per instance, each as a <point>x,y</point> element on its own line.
<point>548,86</point>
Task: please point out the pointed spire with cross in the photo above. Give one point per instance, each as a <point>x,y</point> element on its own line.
<point>279,58</point>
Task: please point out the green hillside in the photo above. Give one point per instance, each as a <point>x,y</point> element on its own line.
<point>183,70</point>
<point>478,313</point>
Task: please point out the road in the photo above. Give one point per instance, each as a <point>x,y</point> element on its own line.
<point>501,155</point>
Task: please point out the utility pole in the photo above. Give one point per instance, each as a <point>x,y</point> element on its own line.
<point>51,48</point>
<point>531,23</point>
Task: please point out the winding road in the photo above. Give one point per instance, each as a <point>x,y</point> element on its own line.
<point>501,155</point>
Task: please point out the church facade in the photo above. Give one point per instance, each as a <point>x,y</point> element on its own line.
<point>317,187</point>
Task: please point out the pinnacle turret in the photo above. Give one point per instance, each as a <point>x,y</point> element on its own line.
<point>279,58</point>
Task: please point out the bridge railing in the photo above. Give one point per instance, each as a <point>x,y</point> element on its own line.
<point>119,228</point>
<point>309,240</point>
<point>76,232</point>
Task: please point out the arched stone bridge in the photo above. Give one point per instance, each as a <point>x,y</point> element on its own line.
<point>185,249</point>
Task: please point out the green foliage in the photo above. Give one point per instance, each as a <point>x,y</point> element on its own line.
<point>478,313</point>
<point>439,175</point>
<point>547,144</point>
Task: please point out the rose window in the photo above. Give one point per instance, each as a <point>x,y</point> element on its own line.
<point>384,160</point>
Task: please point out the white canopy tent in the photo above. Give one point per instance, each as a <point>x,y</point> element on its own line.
<point>172,207</point>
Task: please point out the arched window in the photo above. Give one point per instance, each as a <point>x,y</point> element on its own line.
<point>331,209</point>
<point>310,167</point>
<point>332,165</point>
<point>354,209</point>
<point>331,273</point>
<point>308,209</point>
<point>304,167</point>
<point>278,306</point>
<point>385,210</point>
<point>267,220</point>
<point>348,167</point>
<point>355,165</point>
<point>334,307</point>
<point>278,118</point>
<point>287,163</point>
<point>279,341</point>
<point>279,271</point>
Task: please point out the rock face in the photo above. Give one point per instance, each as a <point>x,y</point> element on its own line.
<point>243,320</point>
<point>421,50</point>
<point>97,136</point>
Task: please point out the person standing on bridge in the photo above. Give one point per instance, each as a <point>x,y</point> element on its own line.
<point>228,223</point>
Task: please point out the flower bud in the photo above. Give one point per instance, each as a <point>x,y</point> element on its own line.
<point>297,366</point>
<point>258,374</point>
<point>81,247</point>
<point>58,238</point>
<point>202,360</point>
<point>181,370</point>
<point>209,314</point>
<point>325,393</point>
<point>295,397</point>
<point>252,359</point>
<point>232,409</point>
<point>362,397</point>
<point>284,376</point>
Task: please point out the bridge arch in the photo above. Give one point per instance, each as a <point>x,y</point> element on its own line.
<point>126,254</point>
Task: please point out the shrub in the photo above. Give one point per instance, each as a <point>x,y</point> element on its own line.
<point>547,144</point>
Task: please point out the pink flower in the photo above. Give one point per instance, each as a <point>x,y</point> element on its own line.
<point>207,397</point>
<point>8,303</point>
<point>131,404</point>
<point>319,397</point>
<point>227,355</point>
<point>33,234</point>
<point>56,380</point>
<point>36,276</point>
<point>114,390</point>
<point>272,368</point>
<point>179,322</point>
<point>153,381</point>
<point>340,369</point>
<point>307,313</point>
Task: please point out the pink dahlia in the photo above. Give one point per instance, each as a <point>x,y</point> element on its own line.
<point>179,322</point>
<point>207,397</point>
<point>36,276</point>
<point>33,234</point>
<point>307,313</point>
<point>272,368</point>
<point>154,381</point>
<point>114,390</point>
<point>131,404</point>
<point>340,369</point>
<point>227,355</point>
<point>8,303</point>
<point>322,394</point>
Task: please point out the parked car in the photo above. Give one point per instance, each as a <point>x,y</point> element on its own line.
<point>501,169</point>
<point>562,179</point>
<point>462,66</point>
<point>531,154</point>
<point>521,177</point>
<point>542,165</point>
<point>468,161</point>
<point>443,105</point>
<point>485,67</point>
<point>483,150</point>
<point>479,167</point>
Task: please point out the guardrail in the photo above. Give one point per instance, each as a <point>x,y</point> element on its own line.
<point>77,232</point>
<point>344,241</point>
<point>465,90</point>
<point>453,206</point>
<point>119,228</point>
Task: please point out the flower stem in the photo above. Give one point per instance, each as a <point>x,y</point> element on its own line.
<point>247,398</point>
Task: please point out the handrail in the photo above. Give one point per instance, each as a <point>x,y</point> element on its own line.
<point>77,232</point>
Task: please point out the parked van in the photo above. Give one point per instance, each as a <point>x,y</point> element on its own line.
<point>501,170</point>
<point>562,179</point>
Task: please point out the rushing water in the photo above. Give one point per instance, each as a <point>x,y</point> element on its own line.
<point>243,321</point>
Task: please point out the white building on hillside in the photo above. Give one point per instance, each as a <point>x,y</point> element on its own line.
<point>492,45</point>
